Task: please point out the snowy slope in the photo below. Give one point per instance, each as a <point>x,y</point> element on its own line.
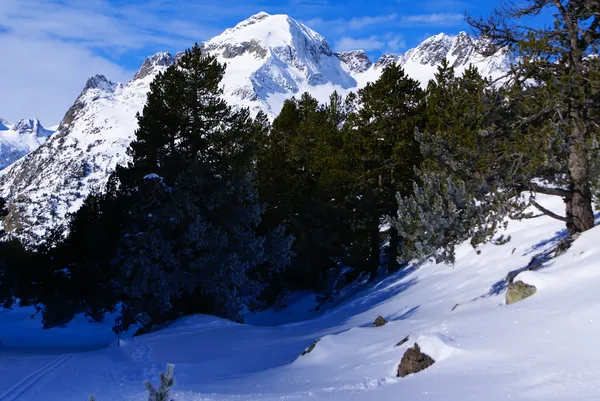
<point>421,62</point>
<point>269,58</point>
<point>90,141</point>
<point>543,348</point>
<point>17,140</point>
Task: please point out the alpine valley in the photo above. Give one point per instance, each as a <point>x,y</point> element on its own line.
<point>269,58</point>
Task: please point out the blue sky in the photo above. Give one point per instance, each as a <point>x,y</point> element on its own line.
<point>50,47</point>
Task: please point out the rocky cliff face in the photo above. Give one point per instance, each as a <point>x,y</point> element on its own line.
<point>357,61</point>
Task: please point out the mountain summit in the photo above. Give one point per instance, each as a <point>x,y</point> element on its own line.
<point>20,139</point>
<point>269,58</point>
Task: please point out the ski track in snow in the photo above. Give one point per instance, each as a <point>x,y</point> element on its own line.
<point>21,387</point>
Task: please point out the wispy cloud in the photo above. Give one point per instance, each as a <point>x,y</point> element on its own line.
<point>360,23</point>
<point>434,18</point>
<point>367,44</point>
<point>341,25</point>
<point>395,42</point>
<point>388,42</point>
<point>54,46</point>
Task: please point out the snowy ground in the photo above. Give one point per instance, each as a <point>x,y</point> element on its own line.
<point>546,347</point>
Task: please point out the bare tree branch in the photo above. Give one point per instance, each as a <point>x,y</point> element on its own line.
<point>546,211</point>
<point>564,193</point>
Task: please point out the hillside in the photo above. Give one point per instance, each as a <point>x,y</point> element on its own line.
<point>544,347</point>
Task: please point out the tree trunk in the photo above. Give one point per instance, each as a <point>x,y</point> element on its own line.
<point>374,257</point>
<point>580,214</point>
<point>392,256</point>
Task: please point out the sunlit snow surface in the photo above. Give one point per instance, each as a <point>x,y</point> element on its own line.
<point>544,348</point>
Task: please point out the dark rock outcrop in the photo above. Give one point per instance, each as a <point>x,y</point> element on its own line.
<point>310,348</point>
<point>380,321</point>
<point>402,342</point>
<point>414,361</point>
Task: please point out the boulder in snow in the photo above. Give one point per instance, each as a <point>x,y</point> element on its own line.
<point>414,361</point>
<point>380,321</point>
<point>518,291</point>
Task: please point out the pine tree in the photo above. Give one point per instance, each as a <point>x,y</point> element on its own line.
<point>458,194</point>
<point>380,141</point>
<point>193,210</point>
<point>554,90</point>
<point>162,393</point>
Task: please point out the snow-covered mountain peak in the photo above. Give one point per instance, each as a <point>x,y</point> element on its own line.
<point>99,82</point>
<point>253,19</point>
<point>262,34</point>
<point>385,60</point>
<point>160,59</point>
<point>31,126</point>
<point>20,139</point>
<point>357,60</point>
<point>271,31</point>
<point>273,57</point>
<point>431,51</point>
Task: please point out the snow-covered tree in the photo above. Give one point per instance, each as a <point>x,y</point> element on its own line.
<point>163,392</point>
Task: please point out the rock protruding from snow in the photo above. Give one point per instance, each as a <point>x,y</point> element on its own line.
<point>518,291</point>
<point>356,60</point>
<point>402,342</point>
<point>380,321</point>
<point>310,348</point>
<point>414,361</point>
<point>159,60</point>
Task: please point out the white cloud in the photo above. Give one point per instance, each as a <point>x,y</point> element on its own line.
<point>395,42</point>
<point>42,78</point>
<point>355,24</point>
<point>360,23</point>
<point>434,18</point>
<point>50,49</point>
<point>367,44</point>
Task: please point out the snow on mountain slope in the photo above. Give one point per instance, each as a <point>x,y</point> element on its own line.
<point>17,140</point>
<point>543,348</point>
<point>90,141</point>
<point>460,51</point>
<point>269,58</point>
<point>421,62</point>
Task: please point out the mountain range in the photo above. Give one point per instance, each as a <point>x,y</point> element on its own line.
<point>269,59</point>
